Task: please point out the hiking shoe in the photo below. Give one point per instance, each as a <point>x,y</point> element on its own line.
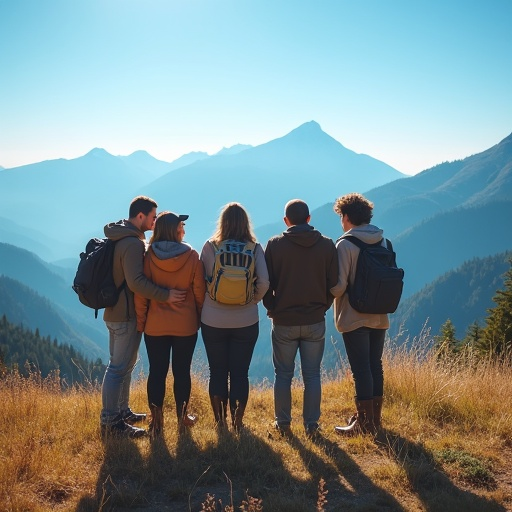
<point>130,417</point>
<point>284,430</point>
<point>121,429</point>
<point>312,430</point>
<point>189,420</point>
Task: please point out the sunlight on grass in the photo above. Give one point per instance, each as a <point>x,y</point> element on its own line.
<point>436,413</point>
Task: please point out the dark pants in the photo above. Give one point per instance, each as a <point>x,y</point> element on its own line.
<point>159,353</point>
<point>229,352</point>
<point>364,348</point>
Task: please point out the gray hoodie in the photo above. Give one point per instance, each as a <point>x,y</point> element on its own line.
<point>346,318</point>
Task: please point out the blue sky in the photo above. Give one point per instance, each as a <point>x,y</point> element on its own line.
<point>412,83</point>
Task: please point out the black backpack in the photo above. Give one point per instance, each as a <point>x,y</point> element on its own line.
<point>378,283</point>
<point>94,280</point>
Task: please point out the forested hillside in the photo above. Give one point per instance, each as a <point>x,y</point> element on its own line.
<point>462,295</point>
<point>29,352</point>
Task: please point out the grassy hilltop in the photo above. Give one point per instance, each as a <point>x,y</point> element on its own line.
<point>447,446</point>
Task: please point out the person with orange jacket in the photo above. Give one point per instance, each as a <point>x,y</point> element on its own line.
<point>171,263</point>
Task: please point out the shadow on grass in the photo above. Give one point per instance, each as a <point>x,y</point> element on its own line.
<point>118,486</point>
<point>349,488</point>
<point>432,487</point>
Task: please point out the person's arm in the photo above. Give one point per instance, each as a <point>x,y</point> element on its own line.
<point>269,297</point>
<point>344,264</point>
<point>141,303</point>
<point>132,259</point>
<point>332,272</point>
<point>262,282</point>
<point>198,285</point>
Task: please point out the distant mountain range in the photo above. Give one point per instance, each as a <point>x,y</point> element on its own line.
<point>69,201</point>
<point>437,220</point>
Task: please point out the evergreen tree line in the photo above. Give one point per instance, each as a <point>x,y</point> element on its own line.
<point>492,340</point>
<point>28,352</point>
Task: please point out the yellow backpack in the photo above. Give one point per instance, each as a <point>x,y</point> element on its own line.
<point>232,277</point>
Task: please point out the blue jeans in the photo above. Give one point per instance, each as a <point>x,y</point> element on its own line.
<point>309,340</point>
<point>364,348</point>
<point>124,341</point>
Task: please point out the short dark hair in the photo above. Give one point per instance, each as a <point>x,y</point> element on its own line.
<point>356,206</point>
<point>141,204</point>
<point>296,211</point>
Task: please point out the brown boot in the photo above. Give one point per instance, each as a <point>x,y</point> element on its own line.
<point>156,425</point>
<point>186,420</point>
<point>377,411</point>
<point>363,423</point>
<point>220,410</point>
<point>237,416</point>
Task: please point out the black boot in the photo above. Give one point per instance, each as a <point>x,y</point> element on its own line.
<point>220,410</point>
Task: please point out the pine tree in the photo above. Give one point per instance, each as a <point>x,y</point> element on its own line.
<point>445,342</point>
<point>497,335</point>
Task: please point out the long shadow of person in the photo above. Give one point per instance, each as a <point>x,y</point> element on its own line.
<point>118,484</point>
<point>427,480</point>
<point>230,475</point>
<point>349,488</point>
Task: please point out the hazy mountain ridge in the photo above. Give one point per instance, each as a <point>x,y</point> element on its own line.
<point>78,197</point>
<point>471,287</point>
<point>476,179</point>
<point>304,163</point>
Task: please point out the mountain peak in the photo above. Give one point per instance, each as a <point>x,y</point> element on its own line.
<point>98,152</point>
<point>310,127</point>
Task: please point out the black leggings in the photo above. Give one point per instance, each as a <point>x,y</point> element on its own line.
<point>364,348</point>
<point>159,353</point>
<point>229,352</point>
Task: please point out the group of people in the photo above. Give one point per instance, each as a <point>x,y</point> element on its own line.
<point>298,276</point>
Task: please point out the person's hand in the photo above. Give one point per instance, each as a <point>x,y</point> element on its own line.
<point>176,296</point>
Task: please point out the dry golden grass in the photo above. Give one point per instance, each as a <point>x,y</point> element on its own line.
<point>446,447</point>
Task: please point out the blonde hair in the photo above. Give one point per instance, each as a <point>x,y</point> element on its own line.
<point>233,224</point>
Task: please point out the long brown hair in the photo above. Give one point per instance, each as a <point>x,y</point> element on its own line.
<point>166,228</point>
<point>234,224</point>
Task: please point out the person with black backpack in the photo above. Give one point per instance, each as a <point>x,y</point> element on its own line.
<point>117,418</point>
<point>369,287</point>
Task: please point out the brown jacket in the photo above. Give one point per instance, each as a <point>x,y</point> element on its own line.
<point>128,258</point>
<point>172,265</point>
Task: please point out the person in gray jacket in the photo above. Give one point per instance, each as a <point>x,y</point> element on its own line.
<point>303,267</point>
<point>116,416</point>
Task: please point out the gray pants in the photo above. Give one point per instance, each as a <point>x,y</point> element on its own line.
<point>124,341</point>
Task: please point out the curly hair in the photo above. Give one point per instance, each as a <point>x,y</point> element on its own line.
<point>356,206</point>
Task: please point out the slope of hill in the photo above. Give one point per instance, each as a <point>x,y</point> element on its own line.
<point>23,306</point>
<point>462,295</point>
<point>445,241</point>
<point>480,178</point>
<point>48,281</point>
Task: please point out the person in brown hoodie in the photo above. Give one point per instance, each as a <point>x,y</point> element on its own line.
<point>171,263</point>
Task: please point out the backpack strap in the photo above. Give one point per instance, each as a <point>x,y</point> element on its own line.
<point>361,244</point>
